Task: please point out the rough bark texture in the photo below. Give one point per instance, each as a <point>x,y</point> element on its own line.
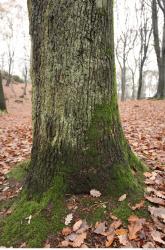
<point>76,125</point>
<point>160,51</point>
<point>2,97</point>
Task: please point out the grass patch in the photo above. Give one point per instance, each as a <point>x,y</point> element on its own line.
<point>19,171</point>
<point>123,211</point>
<point>97,215</point>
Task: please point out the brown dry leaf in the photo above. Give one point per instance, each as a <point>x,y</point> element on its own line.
<point>84,246</point>
<point>123,239</point>
<point>160,194</point>
<point>113,217</point>
<point>110,240</point>
<point>123,197</point>
<point>66,231</point>
<point>155,200</point>
<point>135,226</point>
<point>71,237</point>
<point>133,230</point>
<point>23,245</point>
<point>100,228</point>
<point>47,245</point>
<point>64,243</point>
<point>77,225</point>
<point>121,231</point>
<point>84,227</point>
<point>79,240</point>
<point>147,174</point>
<point>160,226</point>
<point>133,218</point>
<point>157,212</point>
<point>116,224</point>
<point>148,245</point>
<point>156,235</point>
<point>138,205</point>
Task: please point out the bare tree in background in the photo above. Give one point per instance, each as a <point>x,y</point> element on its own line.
<point>2,97</point>
<point>10,50</point>
<point>25,69</point>
<point>125,43</point>
<point>159,45</point>
<point>133,66</point>
<point>145,32</point>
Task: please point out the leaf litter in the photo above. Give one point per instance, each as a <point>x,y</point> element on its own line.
<point>141,128</point>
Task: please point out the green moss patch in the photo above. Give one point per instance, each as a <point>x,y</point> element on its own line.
<point>46,217</point>
<point>19,172</point>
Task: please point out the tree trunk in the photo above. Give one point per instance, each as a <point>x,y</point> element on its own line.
<point>161,85</point>
<point>2,97</point>
<point>123,82</point>
<point>160,53</point>
<point>140,83</point>
<point>77,131</point>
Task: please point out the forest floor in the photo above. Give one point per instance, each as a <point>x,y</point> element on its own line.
<point>144,125</point>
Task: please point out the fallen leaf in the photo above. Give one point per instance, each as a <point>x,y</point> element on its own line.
<point>157,212</point>
<point>121,231</point>
<point>110,240</point>
<point>123,197</point>
<point>159,194</point>
<point>66,231</point>
<point>95,193</point>
<point>64,243</point>
<point>68,219</point>
<point>84,227</point>
<point>156,200</point>
<point>135,226</point>
<point>29,219</point>
<point>133,218</point>
<point>160,226</point>
<point>148,245</point>
<point>156,235</point>
<point>116,224</point>
<point>100,228</point>
<point>84,246</point>
<point>79,240</point>
<point>71,237</point>
<point>23,245</point>
<point>147,174</point>
<point>138,205</point>
<point>123,239</point>
<point>113,217</point>
<point>77,225</point>
<point>47,244</point>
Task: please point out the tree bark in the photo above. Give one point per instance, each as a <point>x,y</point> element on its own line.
<point>2,97</point>
<point>123,81</point>
<point>160,52</point>
<point>77,131</point>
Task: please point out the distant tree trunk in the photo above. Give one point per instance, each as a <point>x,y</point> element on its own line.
<point>160,52</point>
<point>140,82</point>
<point>123,81</point>
<point>2,97</point>
<point>77,131</point>
<point>145,35</point>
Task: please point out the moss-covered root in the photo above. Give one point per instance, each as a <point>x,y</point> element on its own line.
<point>32,220</point>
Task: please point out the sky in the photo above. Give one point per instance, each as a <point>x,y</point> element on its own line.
<point>20,41</point>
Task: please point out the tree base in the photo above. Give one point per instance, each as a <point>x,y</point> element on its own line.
<point>114,181</point>
<point>48,212</point>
